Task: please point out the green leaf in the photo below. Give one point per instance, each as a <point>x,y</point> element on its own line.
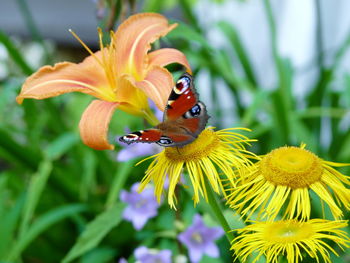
<point>231,33</point>
<point>233,219</point>
<point>118,182</point>
<point>99,255</point>
<point>8,225</point>
<point>344,151</point>
<point>183,31</point>
<point>187,10</point>
<point>61,145</point>
<point>95,231</point>
<point>283,103</point>
<point>41,224</point>
<point>36,187</point>
<point>301,133</point>
<point>346,91</point>
<point>259,98</point>
<point>15,54</point>
<point>88,180</point>
<point>23,155</point>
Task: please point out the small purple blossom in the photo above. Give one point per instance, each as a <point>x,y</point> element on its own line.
<point>158,113</point>
<point>137,150</point>
<point>145,255</point>
<point>199,239</point>
<point>141,206</point>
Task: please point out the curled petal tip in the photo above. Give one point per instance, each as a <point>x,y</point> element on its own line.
<point>165,56</point>
<point>19,99</point>
<point>94,123</point>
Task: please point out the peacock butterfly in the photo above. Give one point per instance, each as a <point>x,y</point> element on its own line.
<point>184,118</point>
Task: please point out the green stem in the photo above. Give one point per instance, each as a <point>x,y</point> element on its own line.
<point>214,205</point>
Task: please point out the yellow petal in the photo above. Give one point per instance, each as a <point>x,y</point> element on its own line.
<point>87,77</point>
<point>133,39</point>
<point>94,124</point>
<point>166,56</point>
<point>157,86</point>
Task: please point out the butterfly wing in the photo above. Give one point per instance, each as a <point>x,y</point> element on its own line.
<point>148,136</point>
<point>184,118</point>
<point>184,107</point>
<point>155,136</point>
<point>182,98</point>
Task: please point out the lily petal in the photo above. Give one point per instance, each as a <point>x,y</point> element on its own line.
<point>86,77</point>
<point>157,86</point>
<point>94,124</point>
<point>134,98</point>
<point>133,39</point>
<point>166,56</point>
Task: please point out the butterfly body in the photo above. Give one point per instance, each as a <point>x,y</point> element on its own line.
<point>184,118</point>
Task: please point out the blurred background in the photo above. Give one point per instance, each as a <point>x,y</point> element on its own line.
<point>280,68</point>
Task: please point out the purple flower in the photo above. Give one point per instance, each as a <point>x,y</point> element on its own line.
<point>199,239</point>
<point>145,255</point>
<point>141,206</point>
<point>137,150</point>
<point>158,113</point>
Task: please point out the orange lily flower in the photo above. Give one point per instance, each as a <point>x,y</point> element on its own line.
<point>121,75</point>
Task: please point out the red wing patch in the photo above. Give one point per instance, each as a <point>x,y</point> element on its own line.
<point>182,98</point>
<point>150,135</point>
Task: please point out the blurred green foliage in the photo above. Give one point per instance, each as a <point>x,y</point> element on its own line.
<point>59,198</point>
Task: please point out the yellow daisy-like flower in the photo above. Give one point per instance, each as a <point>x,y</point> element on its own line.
<point>290,238</point>
<point>284,177</point>
<point>211,153</point>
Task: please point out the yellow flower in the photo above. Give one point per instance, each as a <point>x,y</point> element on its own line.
<point>283,178</point>
<point>121,75</point>
<point>211,153</point>
<point>290,238</point>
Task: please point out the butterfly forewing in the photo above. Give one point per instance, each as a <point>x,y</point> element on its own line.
<point>182,98</point>
<point>150,135</point>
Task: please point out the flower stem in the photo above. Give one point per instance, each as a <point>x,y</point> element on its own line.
<point>218,212</point>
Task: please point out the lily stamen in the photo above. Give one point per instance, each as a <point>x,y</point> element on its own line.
<point>85,46</point>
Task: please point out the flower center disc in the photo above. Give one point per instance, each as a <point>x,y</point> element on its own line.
<point>201,147</point>
<point>291,166</point>
<point>287,231</point>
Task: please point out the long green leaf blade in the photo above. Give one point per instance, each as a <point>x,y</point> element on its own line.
<point>36,186</point>
<point>95,231</point>
<point>40,225</point>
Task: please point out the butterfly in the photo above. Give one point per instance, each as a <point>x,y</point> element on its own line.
<point>184,118</point>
